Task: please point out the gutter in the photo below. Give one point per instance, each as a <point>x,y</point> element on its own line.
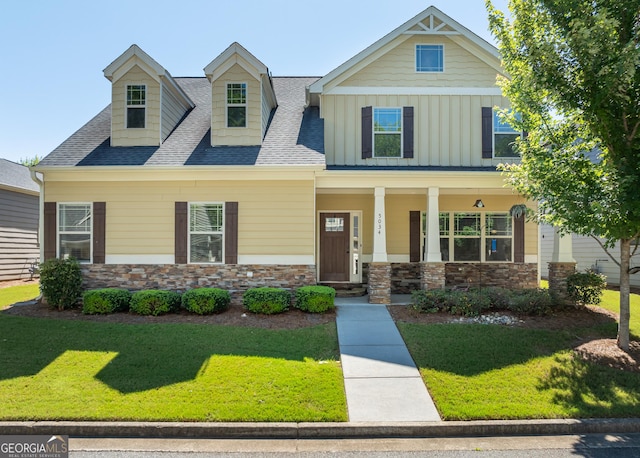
<point>40,182</point>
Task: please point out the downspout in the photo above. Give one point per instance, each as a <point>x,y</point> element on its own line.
<point>40,183</point>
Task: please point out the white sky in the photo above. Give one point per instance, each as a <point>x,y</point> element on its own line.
<point>52,52</point>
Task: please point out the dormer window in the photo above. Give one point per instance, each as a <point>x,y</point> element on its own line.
<point>136,106</point>
<point>236,104</point>
<point>429,58</point>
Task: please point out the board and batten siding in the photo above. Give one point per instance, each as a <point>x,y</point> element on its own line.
<point>447,129</point>
<point>18,234</point>
<point>236,136</point>
<point>274,217</point>
<point>120,134</point>
<point>397,67</point>
<point>172,111</point>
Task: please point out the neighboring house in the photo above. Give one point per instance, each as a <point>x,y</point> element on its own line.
<point>588,254</point>
<point>381,172</point>
<point>19,250</point>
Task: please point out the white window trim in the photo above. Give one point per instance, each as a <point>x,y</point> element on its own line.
<point>415,60</point>
<point>127,106</point>
<point>373,133</point>
<point>59,232</point>
<point>493,136</point>
<point>189,204</point>
<point>245,105</point>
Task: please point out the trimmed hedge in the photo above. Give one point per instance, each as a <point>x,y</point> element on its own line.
<point>154,302</point>
<point>266,300</point>
<point>205,301</point>
<point>585,288</point>
<point>105,300</point>
<point>315,299</point>
<point>61,282</point>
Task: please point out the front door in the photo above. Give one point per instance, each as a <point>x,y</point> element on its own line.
<point>334,246</point>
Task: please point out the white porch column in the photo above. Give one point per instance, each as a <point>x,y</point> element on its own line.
<point>562,247</point>
<point>433,226</point>
<point>379,229</point>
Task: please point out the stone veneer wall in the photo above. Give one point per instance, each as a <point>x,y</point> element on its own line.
<point>379,287</point>
<point>558,274</point>
<point>405,277</point>
<point>505,275</point>
<point>235,278</point>
<point>432,275</point>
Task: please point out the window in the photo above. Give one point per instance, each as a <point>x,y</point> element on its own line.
<point>504,137</point>
<point>206,233</point>
<point>471,231</point>
<point>387,132</point>
<point>237,105</point>
<point>136,106</point>
<point>429,58</point>
<point>74,231</point>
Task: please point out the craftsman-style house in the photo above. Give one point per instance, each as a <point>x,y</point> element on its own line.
<point>382,172</point>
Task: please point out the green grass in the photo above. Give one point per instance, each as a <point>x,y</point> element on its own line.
<point>19,293</point>
<point>63,370</point>
<point>495,372</point>
<point>611,302</point>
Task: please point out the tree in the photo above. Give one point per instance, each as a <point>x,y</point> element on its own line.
<point>574,80</point>
<point>30,161</point>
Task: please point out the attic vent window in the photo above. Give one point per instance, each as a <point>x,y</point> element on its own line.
<point>236,104</point>
<point>429,58</point>
<point>136,106</point>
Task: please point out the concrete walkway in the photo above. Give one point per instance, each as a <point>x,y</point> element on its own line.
<point>381,380</point>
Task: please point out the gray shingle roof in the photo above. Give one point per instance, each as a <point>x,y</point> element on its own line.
<point>16,176</point>
<point>294,137</point>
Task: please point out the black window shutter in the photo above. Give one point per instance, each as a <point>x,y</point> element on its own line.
<point>99,224</point>
<point>231,233</point>
<point>181,225</point>
<point>414,236</point>
<point>407,127</point>
<point>518,239</point>
<point>487,132</point>
<point>49,237</point>
<point>367,132</point>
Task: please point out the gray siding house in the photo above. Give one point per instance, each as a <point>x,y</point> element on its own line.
<point>19,202</point>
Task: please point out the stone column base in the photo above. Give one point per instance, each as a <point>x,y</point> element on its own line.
<point>380,283</point>
<point>432,275</point>
<point>558,274</point>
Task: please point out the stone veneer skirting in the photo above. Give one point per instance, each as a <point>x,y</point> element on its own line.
<point>379,287</point>
<point>558,274</point>
<point>235,278</point>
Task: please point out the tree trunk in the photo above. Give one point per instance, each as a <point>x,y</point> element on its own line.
<point>623,324</point>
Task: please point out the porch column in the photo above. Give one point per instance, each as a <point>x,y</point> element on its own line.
<point>562,264</point>
<point>562,247</point>
<point>379,287</point>
<point>433,226</point>
<point>379,229</point>
<point>432,272</point>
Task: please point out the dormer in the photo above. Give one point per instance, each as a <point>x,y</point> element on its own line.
<point>242,98</point>
<point>146,102</point>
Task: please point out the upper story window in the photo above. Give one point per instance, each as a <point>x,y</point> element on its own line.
<point>236,104</point>
<point>504,138</point>
<point>206,232</point>
<point>74,231</point>
<point>387,132</point>
<point>430,58</point>
<point>136,105</point>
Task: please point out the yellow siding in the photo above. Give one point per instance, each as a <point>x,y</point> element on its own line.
<point>220,133</point>
<point>397,67</point>
<point>120,135</point>
<point>275,217</point>
<point>447,128</point>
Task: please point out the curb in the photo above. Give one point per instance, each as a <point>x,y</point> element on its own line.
<point>358,430</point>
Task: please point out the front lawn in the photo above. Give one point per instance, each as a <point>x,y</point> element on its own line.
<point>19,293</point>
<point>64,370</point>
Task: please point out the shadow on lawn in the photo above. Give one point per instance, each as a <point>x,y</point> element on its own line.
<point>150,356</point>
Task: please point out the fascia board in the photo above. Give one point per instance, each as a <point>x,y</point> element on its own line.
<point>233,60</point>
<point>134,62</point>
<point>134,50</point>
<point>234,48</point>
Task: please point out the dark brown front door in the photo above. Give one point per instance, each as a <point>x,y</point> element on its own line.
<point>334,246</point>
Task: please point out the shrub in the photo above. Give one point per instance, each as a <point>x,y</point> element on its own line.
<point>266,300</point>
<point>106,300</point>
<point>586,287</point>
<point>61,282</point>
<point>430,300</point>
<point>531,302</point>
<point>315,299</point>
<point>154,302</point>
<point>204,301</point>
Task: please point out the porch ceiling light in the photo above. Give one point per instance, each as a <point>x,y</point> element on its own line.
<point>479,203</point>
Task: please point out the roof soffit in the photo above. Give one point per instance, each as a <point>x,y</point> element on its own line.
<point>431,22</point>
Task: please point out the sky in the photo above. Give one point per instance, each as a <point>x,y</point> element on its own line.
<point>53,52</point>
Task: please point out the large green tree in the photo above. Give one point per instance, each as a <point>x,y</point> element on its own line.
<point>574,78</point>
